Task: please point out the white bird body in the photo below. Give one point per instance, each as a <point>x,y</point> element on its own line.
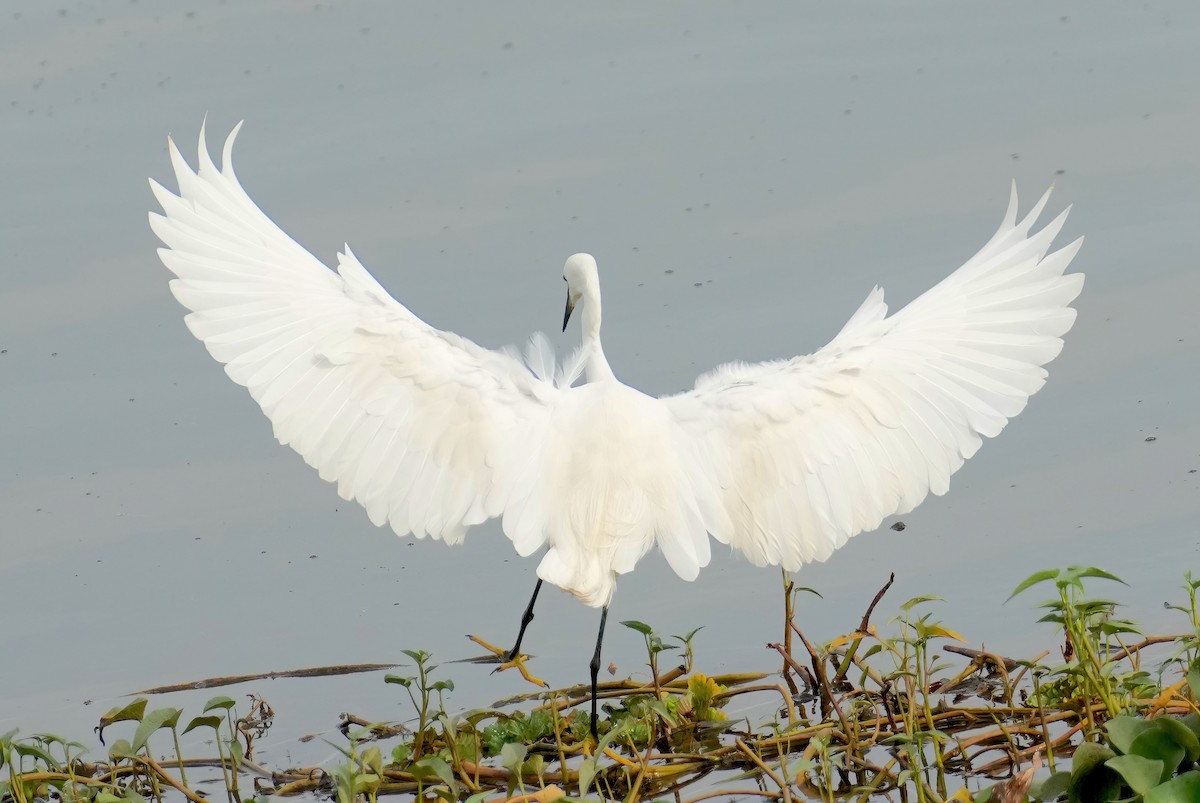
<point>784,461</point>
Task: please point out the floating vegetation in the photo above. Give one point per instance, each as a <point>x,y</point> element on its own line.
<point>882,713</point>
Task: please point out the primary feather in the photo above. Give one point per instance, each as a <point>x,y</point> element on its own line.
<point>433,434</point>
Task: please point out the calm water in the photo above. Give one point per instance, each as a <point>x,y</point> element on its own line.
<point>745,173</point>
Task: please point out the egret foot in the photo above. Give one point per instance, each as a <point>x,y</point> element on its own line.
<point>506,660</point>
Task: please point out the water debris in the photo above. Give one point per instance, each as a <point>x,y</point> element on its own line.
<point>230,680</point>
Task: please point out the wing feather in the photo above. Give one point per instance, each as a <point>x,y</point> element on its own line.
<point>795,457</point>
<point>419,426</point>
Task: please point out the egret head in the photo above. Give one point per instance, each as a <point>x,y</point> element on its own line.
<point>580,275</point>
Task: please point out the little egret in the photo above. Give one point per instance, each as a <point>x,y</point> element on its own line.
<point>783,460</point>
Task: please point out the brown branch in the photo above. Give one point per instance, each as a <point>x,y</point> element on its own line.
<point>170,780</point>
<point>229,680</point>
<point>865,623</point>
<point>1150,641</point>
<point>980,656</point>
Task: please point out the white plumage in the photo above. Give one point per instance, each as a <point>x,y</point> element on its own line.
<point>783,460</point>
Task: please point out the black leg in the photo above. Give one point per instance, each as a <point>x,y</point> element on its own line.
<point>596,669</point>
<point>525,620</point>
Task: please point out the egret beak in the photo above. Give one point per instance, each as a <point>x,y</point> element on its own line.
<point>567,314</point>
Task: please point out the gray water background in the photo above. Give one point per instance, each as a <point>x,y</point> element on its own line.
<point>744,172</point>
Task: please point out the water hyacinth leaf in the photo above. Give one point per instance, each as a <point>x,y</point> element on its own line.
<point>120,749</point>
<point>235,751</point>
<point>1190,721</point>
<point>640,627</point>
<point>1091,780</point>
<point>213,722</point>
<point>158,718</point>
<point>660,708</point>
<point>1032,580</point>
<point>107,797</point>
<point>432,766</point>
<point>224,703</point>
<point>420,656</point>
<point>467,745</point>
<point>1141,773</point>
<point>398,680</point>
<point>132,711</point>
<point>1123,730</point>
<point>26,750</point>
<point>372,759</point>
<point>1183,735</point>
<point>1159,745</point>
<point>1051,788</point>
<point>512,756</point>
<point>1181,789</point>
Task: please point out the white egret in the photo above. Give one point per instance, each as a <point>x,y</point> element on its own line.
<point>783,461</point>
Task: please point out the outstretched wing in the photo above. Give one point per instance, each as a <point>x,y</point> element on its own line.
<point>796,456</point>
<point>417,425</point>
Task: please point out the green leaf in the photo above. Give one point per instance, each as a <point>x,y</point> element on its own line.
<point>1051,788</point>
<point>158,718</point>
<point>124,713</point>
<point>420,656</point>
<point>131,711</point>
<point>512,756</point>
<point>218,702</point>
<point>120,749</point>
<point>1092,571</point>
<point>1182,734</point>
<point>1181,789</point>
<point>236,752</point>
<point>915,601</point>
<point>213,722</point>
<point>399,680</point>
<point>33,751</point>
<point>587,771</point>
<point>1032,580</point>
<point>1091,780</point>
<point>1142,774</point>
<point>1157,744</point>
<point>1193,681</point>
<point>441,769</point>
<point>1190,721</point>
<point>640,627</point>
<point>1123,730</point>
